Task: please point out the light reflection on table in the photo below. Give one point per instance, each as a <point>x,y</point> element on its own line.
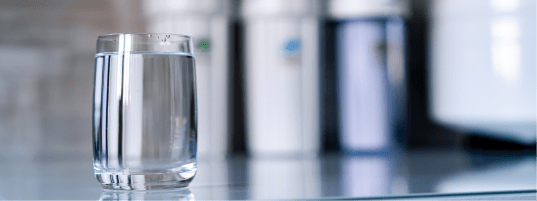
<point>241,177</point>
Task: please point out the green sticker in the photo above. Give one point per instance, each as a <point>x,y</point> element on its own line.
<point>204,45</point>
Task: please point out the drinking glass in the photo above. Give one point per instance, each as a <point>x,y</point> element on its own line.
<point>144,111</point>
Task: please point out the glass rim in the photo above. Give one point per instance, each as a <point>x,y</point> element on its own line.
<point>145,42</point>
<point>103,37</point>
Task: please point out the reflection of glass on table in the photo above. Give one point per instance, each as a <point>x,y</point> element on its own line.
<point>183,194</point>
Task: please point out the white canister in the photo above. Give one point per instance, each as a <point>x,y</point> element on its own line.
<point>282,76</point>
<point>207,21</point>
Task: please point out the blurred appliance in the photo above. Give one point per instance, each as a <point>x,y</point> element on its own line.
<point>282,76</point>
<point>207,21</point>
<point>371,71</point>
<point>483,67</point>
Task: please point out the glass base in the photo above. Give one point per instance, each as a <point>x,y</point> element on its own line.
<point>146,180</point>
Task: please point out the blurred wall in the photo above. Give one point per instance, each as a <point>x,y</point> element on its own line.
<point>46,72</point>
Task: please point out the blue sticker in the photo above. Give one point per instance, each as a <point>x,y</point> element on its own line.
<point>293,45</point>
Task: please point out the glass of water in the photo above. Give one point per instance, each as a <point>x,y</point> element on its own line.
<point>144,111</point>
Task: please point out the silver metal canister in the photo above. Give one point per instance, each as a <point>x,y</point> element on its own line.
<point>370,45</point>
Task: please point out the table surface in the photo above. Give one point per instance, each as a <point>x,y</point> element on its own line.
<point>419,174</point>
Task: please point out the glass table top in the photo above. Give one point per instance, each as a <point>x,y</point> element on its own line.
<point>418,174</point>
<point>186,194</point>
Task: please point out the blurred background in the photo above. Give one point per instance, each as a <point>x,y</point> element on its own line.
<point>292,78</point>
